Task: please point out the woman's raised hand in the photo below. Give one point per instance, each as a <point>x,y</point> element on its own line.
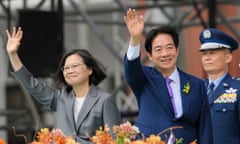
<point>14,39</point>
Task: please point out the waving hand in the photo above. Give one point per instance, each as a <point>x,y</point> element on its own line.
<point>14,40</point>
<point>135,25</point>
<point>13,43</point>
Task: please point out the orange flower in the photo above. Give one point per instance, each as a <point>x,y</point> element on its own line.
<point>194,142</point>
<point>153,139</point>
<point>2,141</point>
<point>102,136</point>
<point>45,136</point>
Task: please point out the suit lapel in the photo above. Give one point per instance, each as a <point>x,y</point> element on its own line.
<point>69,108</point>
<point>164,97</point>
<point>186,97</point>
<point>161,91</point>
<point>87,105</point>
<point>206,84</point>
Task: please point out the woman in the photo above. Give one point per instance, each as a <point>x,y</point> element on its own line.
<point>81,107</point>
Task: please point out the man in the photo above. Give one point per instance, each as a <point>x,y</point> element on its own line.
<point>224,102</point>
<point>182,103</point>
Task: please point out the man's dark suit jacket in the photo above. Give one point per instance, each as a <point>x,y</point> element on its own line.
<point>155,109</point>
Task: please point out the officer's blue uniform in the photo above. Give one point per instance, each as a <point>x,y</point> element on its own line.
<point>225,99</point>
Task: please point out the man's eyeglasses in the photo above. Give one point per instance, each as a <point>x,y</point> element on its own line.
<point>72,67</point>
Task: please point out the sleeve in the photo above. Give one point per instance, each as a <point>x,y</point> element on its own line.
<point>134,75</point>
<point>39,90</point>
<point>133,52</point>
<point>111,114</point>
<point>238,105</point>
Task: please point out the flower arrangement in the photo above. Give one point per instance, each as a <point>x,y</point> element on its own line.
<point>56,136</point>
<point>186,88</point>
<point>126,133</point>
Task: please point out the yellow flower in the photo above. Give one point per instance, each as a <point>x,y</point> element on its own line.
<point>186,88</point>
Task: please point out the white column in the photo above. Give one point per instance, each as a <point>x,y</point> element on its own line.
<point>3,79</point>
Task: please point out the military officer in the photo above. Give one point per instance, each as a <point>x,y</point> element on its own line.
<point>223,90</point>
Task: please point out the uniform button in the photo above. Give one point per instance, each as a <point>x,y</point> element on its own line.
<point>224,110</point>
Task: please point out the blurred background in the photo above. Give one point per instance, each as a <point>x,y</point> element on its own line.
<point>52,27</point>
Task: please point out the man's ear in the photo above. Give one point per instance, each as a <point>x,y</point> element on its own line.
<point>229,58</point>
<point>149,55</point>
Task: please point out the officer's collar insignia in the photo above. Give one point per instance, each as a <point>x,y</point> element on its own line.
<point>225,84</point>
<point>236,78</point>
<point>207,34</point>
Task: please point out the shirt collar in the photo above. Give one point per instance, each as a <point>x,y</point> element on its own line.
<point>174,76</point>
<point>217,81</point>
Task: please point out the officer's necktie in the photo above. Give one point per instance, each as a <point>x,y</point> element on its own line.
<point>210,89</point>
<point>168,81</point>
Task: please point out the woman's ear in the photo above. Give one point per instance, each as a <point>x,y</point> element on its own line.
<point>90,71</point>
